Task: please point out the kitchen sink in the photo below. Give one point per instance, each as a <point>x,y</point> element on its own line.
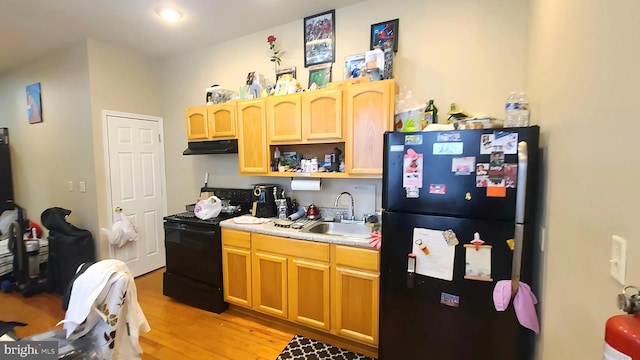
<point>353,230</point>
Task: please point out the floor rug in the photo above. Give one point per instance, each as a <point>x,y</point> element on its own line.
<point>303,348</point>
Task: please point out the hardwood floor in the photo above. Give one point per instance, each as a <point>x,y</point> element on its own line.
<point>178,331</point>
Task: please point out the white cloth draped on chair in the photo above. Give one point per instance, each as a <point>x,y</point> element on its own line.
<point>104,305</point>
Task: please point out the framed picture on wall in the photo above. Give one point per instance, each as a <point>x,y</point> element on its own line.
<point>319,38</point>
<point>354,66</point>
<point>385,34</point>
<point>320,75</point>
<point>286,71</point>
<point>34,103</point>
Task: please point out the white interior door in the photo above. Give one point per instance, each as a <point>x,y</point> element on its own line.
<point>136,179</point>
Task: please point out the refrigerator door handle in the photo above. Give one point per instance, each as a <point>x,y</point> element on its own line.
<point>521,191</point>
<point>516,263</point>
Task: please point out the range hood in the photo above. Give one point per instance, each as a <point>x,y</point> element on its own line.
<point>212,147</point>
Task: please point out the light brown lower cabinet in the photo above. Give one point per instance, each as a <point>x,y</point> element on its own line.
<point>236,267</point>
<point>309,300</point>
<point>237,276</point>
<point>356,304</point>
<point>270,284</point>
<point>332,288</point>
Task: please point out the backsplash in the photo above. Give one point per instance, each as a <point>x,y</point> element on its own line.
<point>223,172</point>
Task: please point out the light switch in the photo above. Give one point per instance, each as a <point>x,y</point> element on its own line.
<point>618,258</point>
<point>70,186</point>
<point>83,186</point>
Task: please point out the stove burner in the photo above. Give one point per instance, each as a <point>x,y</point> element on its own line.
<point>230,209</point>
<point>186,215</point>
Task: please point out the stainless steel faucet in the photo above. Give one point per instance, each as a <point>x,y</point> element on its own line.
<point>352,208</point>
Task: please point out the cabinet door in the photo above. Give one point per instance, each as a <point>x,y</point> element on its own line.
<point>252,141</point>
<point>322,115</point>
<point>236,270</point>
<point>270,284</point>
<point>369,115</point>
<point>309,293</point>
<point>196,123</point>
<point>283,118</point>
<point>356,304</point>
<point>221,119</point>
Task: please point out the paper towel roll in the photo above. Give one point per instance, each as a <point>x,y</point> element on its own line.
<point>307,184</point>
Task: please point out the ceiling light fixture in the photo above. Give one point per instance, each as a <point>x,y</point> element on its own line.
<point>170,15</point>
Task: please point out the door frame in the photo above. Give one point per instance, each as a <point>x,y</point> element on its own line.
<point>107,169</point>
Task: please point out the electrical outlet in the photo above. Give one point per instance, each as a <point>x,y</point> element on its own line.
<point>70,186</point>
<point>618,259</point>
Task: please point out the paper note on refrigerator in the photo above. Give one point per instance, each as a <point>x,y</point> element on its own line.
<point>499,141</point>
<point>437,261</point>
<point>478,262</point>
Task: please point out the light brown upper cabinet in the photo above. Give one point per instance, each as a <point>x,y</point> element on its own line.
<point>322,116</point>
<point>283,119</point>
<point>310,117</point>
<point>369,113</point>
<point>252,139</point>
<point>211,122</point>
<point>221,120</point>
<point>196,123</point>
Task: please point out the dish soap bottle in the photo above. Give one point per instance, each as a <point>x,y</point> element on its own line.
<point>431,113</point>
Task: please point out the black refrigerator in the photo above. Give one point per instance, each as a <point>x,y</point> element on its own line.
<point>459,216</point>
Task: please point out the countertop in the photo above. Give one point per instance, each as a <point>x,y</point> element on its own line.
<point>270,229</point>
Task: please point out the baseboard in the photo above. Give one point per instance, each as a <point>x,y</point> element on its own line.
<point>285,325</point>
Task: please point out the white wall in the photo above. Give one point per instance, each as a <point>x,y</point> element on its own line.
<point>77,84</point>
<point>583,80</point>
<point>121,80</point>
<point>45,156</point>
<point>463,51</point>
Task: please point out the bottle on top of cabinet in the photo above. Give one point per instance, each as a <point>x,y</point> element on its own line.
<point>431,113</point>
<point>523,110</point>
<point>511,111</point>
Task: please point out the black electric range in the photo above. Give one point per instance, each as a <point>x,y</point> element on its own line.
<point>193,273</point>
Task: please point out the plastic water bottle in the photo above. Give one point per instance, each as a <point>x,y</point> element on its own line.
<point>523,110</point>
<point>511,111</point>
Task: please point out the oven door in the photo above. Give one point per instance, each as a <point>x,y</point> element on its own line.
<point>194,251</point>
